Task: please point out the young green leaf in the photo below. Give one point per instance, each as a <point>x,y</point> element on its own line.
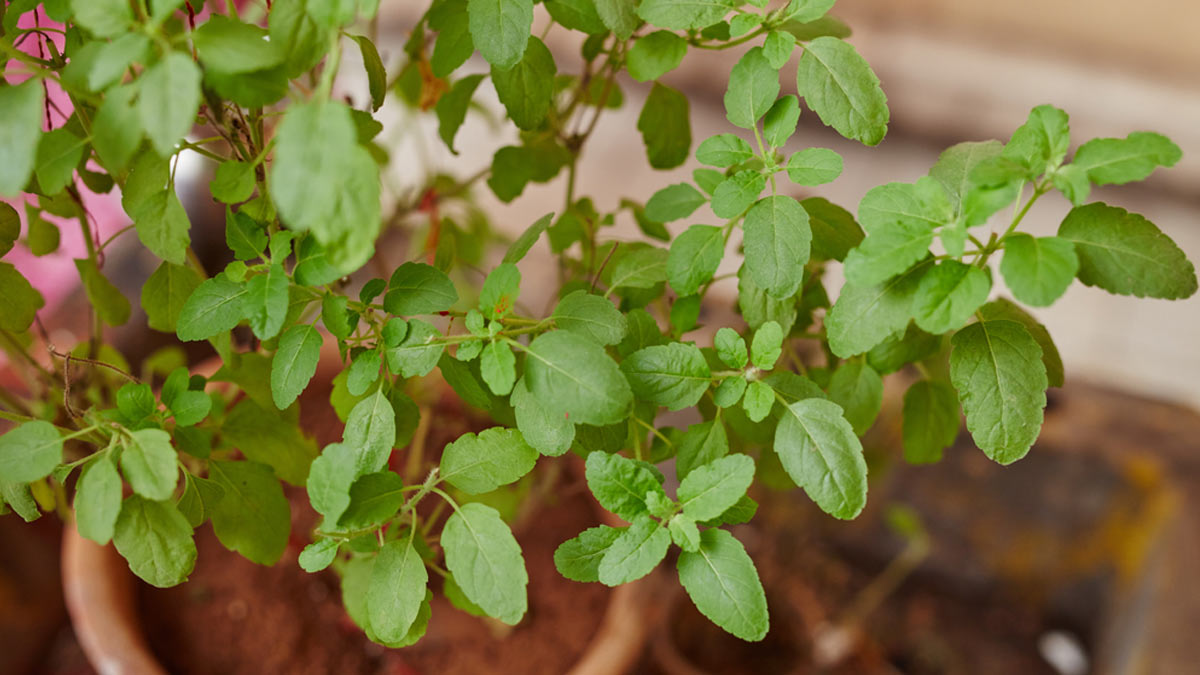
<point>654,55</point>
<point>723,150</point>
<point>1041,143</point>
<point>318,555</point>
<point>396,590</point>
<point>777,244</point>
<point>149,463</point>
<point>620,484</point>
<point>30,452</point>
<point>780,121</point>
<point>266,301</point>
<point>758,400</point>
<point>753,86</point>
<point>374,498</point>
<point>778,48</point>
<point>452,107</point>
<point>578,559</point>
<point>821,453</point>
<point>665,128</point>
<point>948,295</point>
<point>1116,161</point>
<point>684,532</point>
<point>767,346</point>
<point>685,15</point>
<point>996,366</point>
<point>168,98</point>
<point>527,88</point>
<point>516,252</point>
<point>694,258</point>
<point>253,518</point>
<point>418,353</point>
<point>590,315</point>
<point>635,553</point>
<point>20,129</point>
<point>673,202</point>
<point>841,88</point>
<point>711,489</point>
<point>371,432</point>
<point>479,464</point>
<point>454,43</point>
<point>1126,254</point>
<point>417,288</point>
<point>500,291</point>
<point>899,219</point>
<point>1038,271</point>
<point>187,406</point>
<point>294,363</point>
<point>498,367</point>
<point>156,540</point>
<point>98,499</point>
<point>931,421</point>
<point>723,583</point>
<point>731,347</point>
<point>486,561</point>
<point>571,375</point>
<point>548,433</point>
<point>216,306</point>
<point>814,166</point>
<point>858,389</point>
<point>500,29</point>
<point>673,375</point>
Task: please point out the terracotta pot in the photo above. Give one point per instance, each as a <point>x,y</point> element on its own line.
<point>101,599</point>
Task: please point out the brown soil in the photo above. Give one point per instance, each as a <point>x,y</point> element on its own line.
<point>233,616</point>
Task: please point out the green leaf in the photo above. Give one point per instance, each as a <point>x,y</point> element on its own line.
<point>634,553</point>
<point>322,180</point>
<point>527,88</point>
<point>418,353</point>
<point>684,532</point>
<point>233,183</point>
<point>571,375</point>
<point>971,203</point>
<point>864,316</point>
<point>674,202</point>
<point>230,46</point>
<point>899,219</point>
<point>216,306</point>
<point>479,464</point>
<point>778,47</point>
<point>948,295</point>
<point>620,484</point>
<point>683,14</point>
<point>858,389</point>
<point>452,108</point>
<point>301,28</point>
<point>318,555</point>
<point>665,128</point>
<point>723,583</point>
<point>266,301</point>
<point>673,375</point>
<point>1038,271</point>
<point>58,152</point>
<point>376,74</point>
<point>98,499</point>
<point>244,236</point>
<point>619,16</point>
<point>1116,161</point>
<point>20,302</point>
<point>397,589</point>
<point>112,307</point>
<point>516,252</point>
<point>1125,254</point>
<point>500,29</point>
<point>1004,309</point>
<point>996,366</point>
<point>10,228</point>
<point>168,99</point>
<point>777,244</point>
<point>780,121</point>
<point>374,499</point>
<point>654,55</point>
<point>454,44</point>
<point>417,288</point>
<point>253,518</point>
<point>841,88</point>
<point>162,226</point>
<point>834,230</point>
<point>187,406</point>
<point>486,561</point>
<point>814,166</point>
<point>371,432</point>
<point>579,559</point>
<point>753,86</point>
<point>820,451</point>
<point>736,193</point>
<point>577,15</point>
<point>931,421</point>
<point>270,437</point>
<point>1041,143</point>
<point>711,489</point>
<point>550,434</point>
<point>102,18</point>
<point>757,306</point>
<point>767,346</point>
<point>29,452</point>
<point>149,463</point>
<point>694,258</point>
<point>294,363</point>
<point>724,150</point>
<point>590,315</point>
<point>363,371</point>
<point>758,401</point>
<point>731,347</point>
<point>156,540</point>
<point>1072,181</point>
<point>702,444</point>
<point>20,130</point>
<point>18,497</point>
